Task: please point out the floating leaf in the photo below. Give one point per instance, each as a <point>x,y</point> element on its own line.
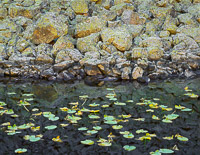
<point>85,110</point>
<point>84,96</point>
<point>21,150</point>
<point>92,131</point>
<point>109,118</point>
<point>110,122</point>
<point>149,110</point>
<point>2,103</point>
<point>50,127</point>
<point>172,116</point>
<point>119,103</point>
<point>93,105</point>
<point>74,103</point>
<point>87,142</point>
<point>14,127</point>
<point>124,132</point>
<point>179,107</point>
<point>93,116</point>
<point>129,148</point>
<point>82,129</point>
<point>166,151</point>
<point>53,118</point>
<point>130,135</point>
<point>110,89</point>
<point>64,125</point>
<point>126,116</point>
<point>94,111</point>
<point>186,109</point>
<point>166,121</point>
<point>27,95</point>
<point>64,109</point>
<point>129,101</point>
<point>181,138</point>
<point>57,139</point>
<point>9,112</point>
<point>169,138</point>
<point>141,131</point>
<point>105,106</point>
<point>155,117</point>
<point>97,127</point>
<point>5,124</point>
<point>192,95</point>
<point>117,127</point>
<point>105,144</point>
<point>141,103</point>
<point>155,153</point>
<point>71,111</point>
<point>139,119</point>
<point>35,128</point>
<point>11,93</point>
<point>32,138</point>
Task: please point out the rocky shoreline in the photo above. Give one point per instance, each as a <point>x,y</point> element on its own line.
<point>106,39</point>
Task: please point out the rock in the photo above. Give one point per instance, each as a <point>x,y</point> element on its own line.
<point>187,19</point>
<point>92,55</point>
<point>43,54</point>
<point>126,71</point>
<point>1,72</point>
<point>22,44</point>
<point>183,42</point>
<point>116,2</point>
<point>29,12</point>
<point>178,56</point>
<point>91,25</point>
<point>133,18</point>
<point>151,42</point>
<point>137,72</point>
<point>161,12</point>
<point>119,37</point>
<point>47,73</point>
<point>118,9</point>
<point>88,43</point>
<point>62,65</point>
<point>49,27</point>
<point>139,52</point>
<point>162,3</point>
<point>62,43</point>
<point>3,13</point>
<point>79,6</point>
<point>135,30</point>
<point>68,54</point>
<point>164,34</point>
<point>189,73</point>
<point>170,25</point>
<point>107,4</point>
<point>196,1</point>
<point>155,53</point>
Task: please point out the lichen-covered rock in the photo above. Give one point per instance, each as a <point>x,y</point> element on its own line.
<point>119,37</point>
<point>170,25</point>
<point>126,71</point>
<point>22,44</point>
<point>118,9</point>
<point>88,43</point>
<point>161,12</point>
<point>116,2</point>
<point>91,25</point>
<point>29,12</point>
<point>139,52</point>
<point>137,72</point>
<point>155,53</point>
<point>183,42</point>
<point>3,13</point>
<point>49,27</point>
<point>62,43</point>
<point>164,34</point>
<point>68,54</point>
<point>151,41</point>
<point>187,19</point>
<point>79,6</point>
<point>43,54</point>
<point>130,17</point>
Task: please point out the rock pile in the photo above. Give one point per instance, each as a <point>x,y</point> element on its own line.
<point>120,39</point>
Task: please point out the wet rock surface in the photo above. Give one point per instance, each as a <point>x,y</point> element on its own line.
<point>110,38</point>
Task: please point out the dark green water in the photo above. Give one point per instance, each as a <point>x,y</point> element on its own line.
<point>50,97</point>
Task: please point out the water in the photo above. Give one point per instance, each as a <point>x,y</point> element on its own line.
<point>50,97</point>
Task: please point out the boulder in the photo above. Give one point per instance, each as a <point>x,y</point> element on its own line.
<point>137,72</point>
<point>62,43</point>
<point>91,25</point>
<point>133,18</point>
<point>22,44</point>
<point>119,37</point>
<point>3,13</point>
<point>43,54</point>
<point>79,6</point>
<point>49,27</point>
<point>88,43</point>
<point>155,53</point>
<point>126,71</point>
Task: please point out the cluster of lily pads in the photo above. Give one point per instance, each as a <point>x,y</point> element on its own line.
<point>76,111</point>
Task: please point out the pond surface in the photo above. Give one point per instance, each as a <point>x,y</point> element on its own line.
<point>59,118</point>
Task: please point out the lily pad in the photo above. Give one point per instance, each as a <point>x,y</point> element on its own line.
<point>166,151</point>
<point>141,131</point>
<point>117,127</point>
<point>105,144</point>
<point>119,103</point>
<point>82,129</point>
<point>50,127</point>
<point>129,148</point>
<point>130,135</point>
<point>97,127</point>
<point>92,131</point>
<point>93,116</point>
<point>87,142</point>
<point>21,150</point>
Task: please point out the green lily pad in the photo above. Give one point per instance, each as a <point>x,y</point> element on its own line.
<point>166,121</point>
<point>92,131</point>
<point>110,89</point>
<point>2,103</point>
<point>186,109</point>
<point>71,111</point>
<point>109,118</point>
<point>21,150</point>
<point>53,118</point>
<point>93,105</point>
<point>85,110</point>
<point>105,144</point>
<point>9,112</point>
<point>93,116</point>
<point>84,96</point>
<point>129,148</point>
<point>50,127</point>
<point>124,132</point>
<point>110,122</point>
<point>117,127</point>
<point>141,131</point>
<point>33,138</point>
<point>97,127</point>
<point>82,129</point>
<point>11,93</point>
<point>105,106</point>
<point>87,142</point>
<point>27,94</point>
<point>14,127</point>
<point>130,135</point>
<point>166,151</point>
<point>119,103</point>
